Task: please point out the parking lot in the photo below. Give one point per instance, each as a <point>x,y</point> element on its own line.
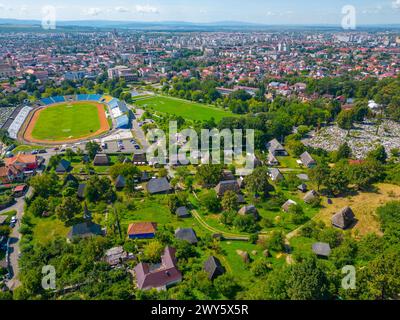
<point>123,146</point>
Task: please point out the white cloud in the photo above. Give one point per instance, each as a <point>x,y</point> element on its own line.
<point>122,9</point>
<point>93,12</point>
<point>396,4</point>
<point>146,9</point>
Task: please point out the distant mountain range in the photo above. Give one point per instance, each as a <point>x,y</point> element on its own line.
<point>177,25</point>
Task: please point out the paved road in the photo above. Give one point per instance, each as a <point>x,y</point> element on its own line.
<point>138,131</point>
<point>14,240</point>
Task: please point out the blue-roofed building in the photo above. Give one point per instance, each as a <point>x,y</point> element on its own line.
<point>47,101</point>
<point>122,106</point>
<point>59,99</point>
<point>94,97</point>
<point>113,103</point>
<point>82,97</point>
<point>122,122</point>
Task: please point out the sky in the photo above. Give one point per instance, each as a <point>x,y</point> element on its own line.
<point>269,12</point>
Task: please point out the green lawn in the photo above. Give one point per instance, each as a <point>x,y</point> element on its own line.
<point>26,148</point>
<point>155,210</point>
<point>186,109</point>
<point>66,121</point>
<point>47,229</point>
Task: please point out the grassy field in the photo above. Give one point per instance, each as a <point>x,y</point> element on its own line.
<point>26,148</point>
<point>186,109</point>
<point>155,210</point>
<point>65,121</point>
<point>47,229</point>
<point>364,206</point>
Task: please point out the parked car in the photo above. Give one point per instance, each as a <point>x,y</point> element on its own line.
<point>43,151</point>
<point>13,221</point>
<point>35,152</point>
<point>137,147</point>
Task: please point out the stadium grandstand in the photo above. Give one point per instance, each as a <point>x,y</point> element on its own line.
<point>18,121</point>
<point>122,122</point>
<point>47,101</point>
<point>79,97</point>
<point>119,109</point>
<point>113,103</point>
<point>59,99</point>
<point>82,97</point>
<point>94,97</point>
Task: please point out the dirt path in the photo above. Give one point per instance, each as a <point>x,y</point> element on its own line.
<point>104,126</point>
<point>227,235</point>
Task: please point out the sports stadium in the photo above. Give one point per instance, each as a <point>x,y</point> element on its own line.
<point>69,119</point>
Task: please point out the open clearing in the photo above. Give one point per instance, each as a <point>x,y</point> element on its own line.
<point>67,122</point>
<point>364,206</point>
<point>186,109</point>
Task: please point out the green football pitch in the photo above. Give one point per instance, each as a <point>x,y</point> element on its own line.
<point>67,121</point>
<point>186,109</point>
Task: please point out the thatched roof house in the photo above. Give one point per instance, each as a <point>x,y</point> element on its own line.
<point>310,196</point>
<point>276,148</point>
<point>307,160</point>
<point>224,186</point>
<point>249,210</point>
<point>182,212</point>
<point>344,218</point>
<point>272,160</point>
<point>186,234</point>
<point>64,166</point>
<point>85,230</point>
<point>321,249</point>
<point>158,186</point>
<point>227,175</point>
<point>213,267</point>
<point>120,182</point>
<point>275,174</point>
<point>302,187</point>
<point>286,206</point>
<point>101,160</point>
<point>139,159</point>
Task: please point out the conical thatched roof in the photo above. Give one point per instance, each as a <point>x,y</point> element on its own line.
<point>310,196</point>
<point>344,218</point>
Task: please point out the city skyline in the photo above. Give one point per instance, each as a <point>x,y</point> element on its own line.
<point>284,12</point>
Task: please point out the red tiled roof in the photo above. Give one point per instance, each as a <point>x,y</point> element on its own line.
<point>166,274</point>
<point>142,228</point>
<point>21,158</point>
<point>20,188</point>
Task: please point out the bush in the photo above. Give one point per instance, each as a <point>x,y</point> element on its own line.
<point>260,267</point>
<point>5,231</point>
<point>245,224</point>
<point>266,223</point>
<point>210,201</point>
